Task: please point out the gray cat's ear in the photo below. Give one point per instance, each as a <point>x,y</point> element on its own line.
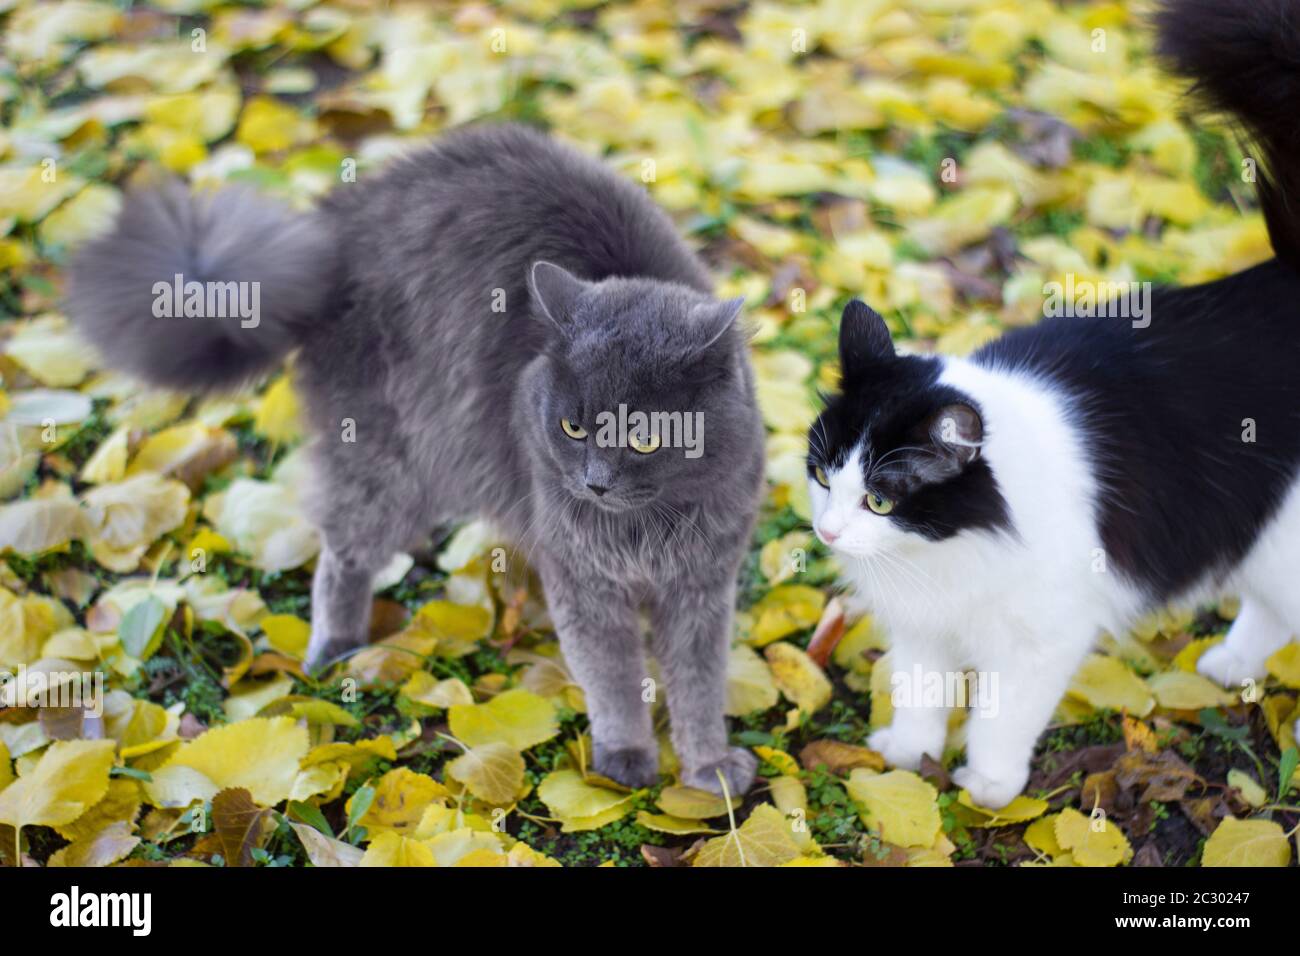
<point>956,432</point>
<point>556,290</point>
<point>712,319</point>
<point>864,339</point>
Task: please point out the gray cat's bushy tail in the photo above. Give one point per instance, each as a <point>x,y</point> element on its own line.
<point>264,271</point>
<point>1244,58</point>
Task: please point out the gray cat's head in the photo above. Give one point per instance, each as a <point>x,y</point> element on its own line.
<point>640,393</point>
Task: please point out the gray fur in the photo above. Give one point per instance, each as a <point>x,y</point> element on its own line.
<point>457,409</point>
<point>236,235</point>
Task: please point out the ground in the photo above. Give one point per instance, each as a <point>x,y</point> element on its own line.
<point>944,160</point>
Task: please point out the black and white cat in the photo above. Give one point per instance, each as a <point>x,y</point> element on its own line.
<point>996,513</point>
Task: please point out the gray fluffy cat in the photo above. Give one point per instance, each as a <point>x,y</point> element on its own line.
<point>464,409</point>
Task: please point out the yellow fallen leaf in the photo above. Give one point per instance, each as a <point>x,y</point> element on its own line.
<point>126,517</point>
<point>492,771</point>
<point>1041,836</point>
<point>1284,664</point>
<point>108,463</point>
<point>41,524</point>
<point>779,759</point>
<point>325,851</point>
<point>260,755</point>
<point>70,777</point>
<point>899,805</point>
<point>1019,810</point>
<point>461,622</point>
<point>287,633</point>
<point>516,717</point>
<point>42,32</point>
<point>764,839</point>
<point>466,847</point>
<point>798,677</point>
<point>750,686</point>
<point>691,803</point>
<point>1180,690</point>
<point>265,521</point>
<point>401,797</point>
<point>278,417</point>
<point>1247,843</point>
<point>391,849</point>
<point>88,214</point>
<point>50,351</point>
<point>666,823</point>
<point>1250,789</point>
<point>1105,682</point>
<point>111,844</point>
<point>267,125</point>
<point>580,805</point>
<point>424,688</point>
<point>1091,842</point>
<point>784,610</point>
<point>189,452</point>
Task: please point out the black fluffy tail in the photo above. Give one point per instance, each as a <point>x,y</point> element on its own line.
<point>1244,57</point>
<point>201,291</point>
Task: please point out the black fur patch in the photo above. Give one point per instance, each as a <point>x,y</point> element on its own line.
<point>1164,409</point>
<point>890,400</point>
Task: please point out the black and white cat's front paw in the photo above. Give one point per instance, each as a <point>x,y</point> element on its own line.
<point>631,766</point>
<point>991,789</point>
<point>1224,666</point>
<point>738,767</point>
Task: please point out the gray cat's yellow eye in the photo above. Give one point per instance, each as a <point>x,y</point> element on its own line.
<point>573,430</point>
<point>878,503</point>
<point>820,475</point>
<point>644,447</point>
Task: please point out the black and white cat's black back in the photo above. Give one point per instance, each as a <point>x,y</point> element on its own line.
<point>999,512</point>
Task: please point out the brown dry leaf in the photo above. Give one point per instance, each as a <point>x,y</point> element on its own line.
<point>241,826</point>
<point>828,632</point>
<point>1163,775</point>
<point>839,758</point>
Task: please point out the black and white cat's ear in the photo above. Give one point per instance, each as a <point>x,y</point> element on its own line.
<point>556,291</point>
<point>956,433</point>
<point>864,339</point>
<point>711,319</point>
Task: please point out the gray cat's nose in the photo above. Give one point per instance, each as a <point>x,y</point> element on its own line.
<point>598,489</point>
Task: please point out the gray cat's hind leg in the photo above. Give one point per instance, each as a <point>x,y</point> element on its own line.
<point>340,607</point>
<point>365,519</point>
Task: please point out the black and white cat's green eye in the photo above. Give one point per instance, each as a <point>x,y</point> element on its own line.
<point>820,475</point>
<point>878,504</point>
<point>573,429</point>
<point>644,447</point>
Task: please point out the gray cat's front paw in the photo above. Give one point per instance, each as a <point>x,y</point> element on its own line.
<point>321,654</point>
<point>739,767</point>
<point>629,766</point>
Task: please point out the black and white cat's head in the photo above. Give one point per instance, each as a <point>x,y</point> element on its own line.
<point>895,458</point>
<point>657,348</point>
